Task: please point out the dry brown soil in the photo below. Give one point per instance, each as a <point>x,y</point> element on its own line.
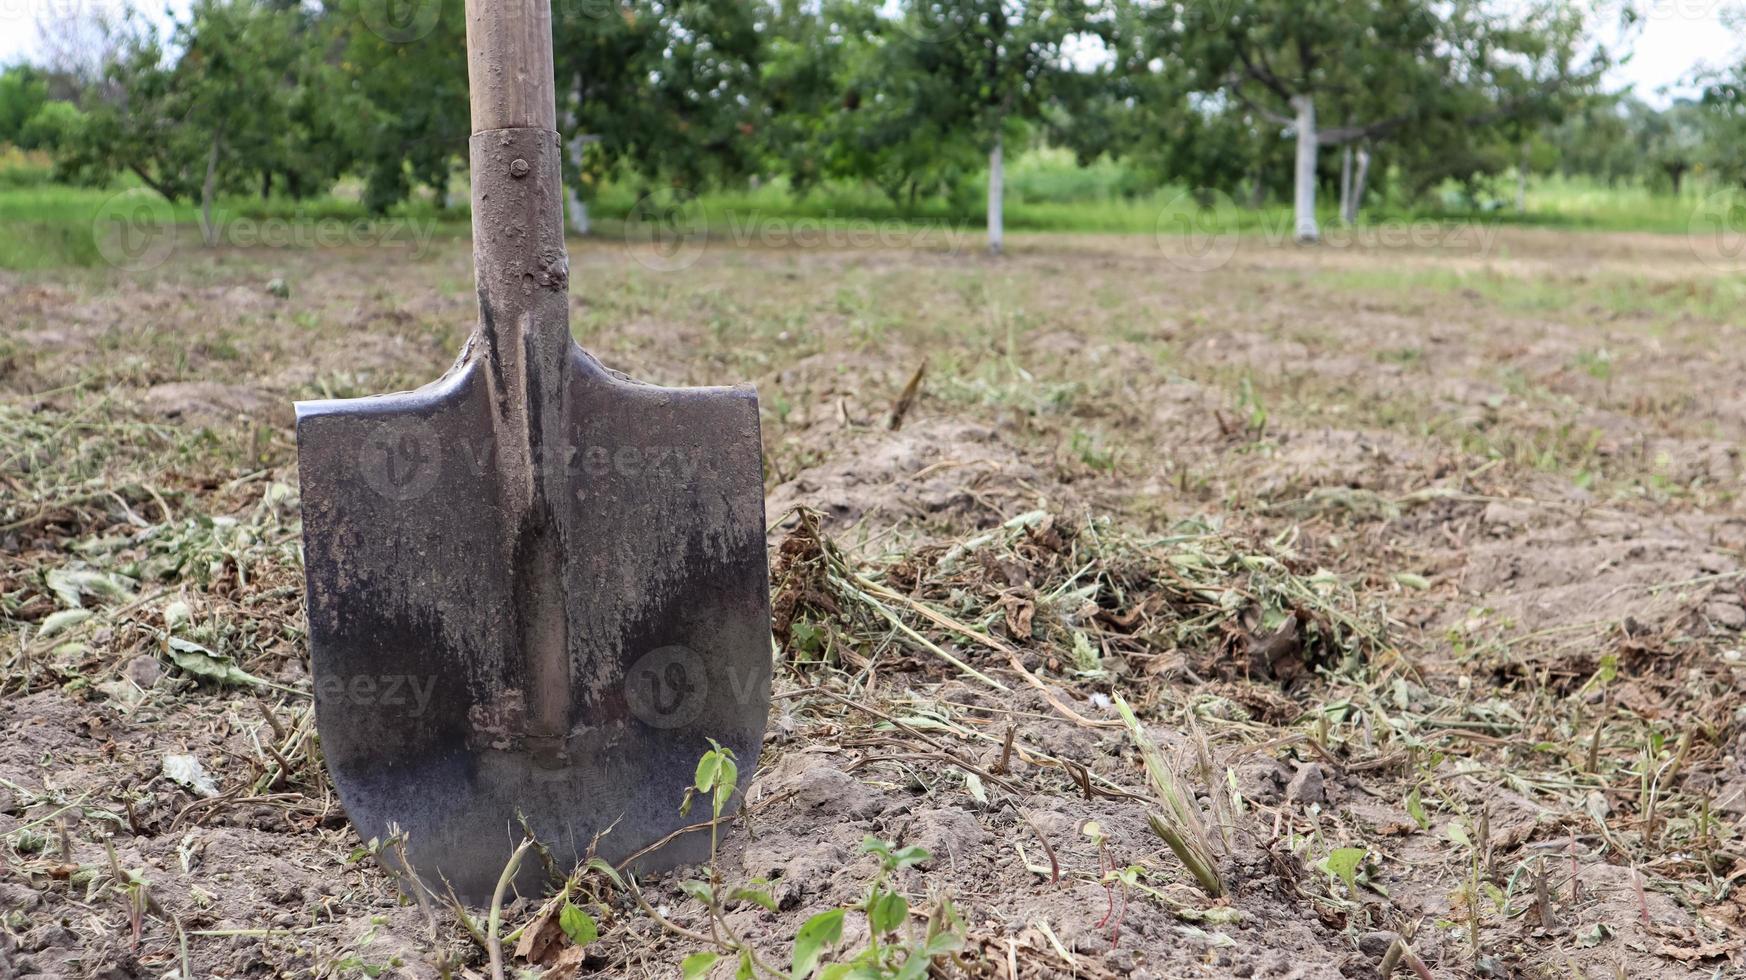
<point>1509,466</point>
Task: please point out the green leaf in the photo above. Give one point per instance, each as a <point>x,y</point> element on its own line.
<point>1458,834</point>
<point>195,659</point>
<point>914,968</point>
<point>1415,806</point>
<point>887,911</point>
<point>820,932</point>
<point>726,779</point>
<point>1344,864</point>
<point>745,970</point>
<point>578,925</point>
<point>699,890</point>
<point>756,896</point>
<point>600,865</point>
<point>708,768</point>
<point>910,857</point>
<point>697,965</point>
<point>942,944</point>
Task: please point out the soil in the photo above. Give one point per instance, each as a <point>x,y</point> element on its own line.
<point>1433,552</point>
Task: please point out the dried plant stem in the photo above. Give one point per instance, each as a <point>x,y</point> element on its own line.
<point>494,924</point>
<point>1179,822</point>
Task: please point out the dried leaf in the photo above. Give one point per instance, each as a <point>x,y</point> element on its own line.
<point>195,659</point>
<point>187,772</point>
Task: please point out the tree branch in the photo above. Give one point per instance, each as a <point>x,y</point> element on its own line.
<point>1278,118</point>
<point>1263,74</point>
<point>146,179</point>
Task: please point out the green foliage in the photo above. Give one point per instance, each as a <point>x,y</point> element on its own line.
<point>1344,863</point>
<point>238,95</point>
<point>23,93</point>
<point>893,949</point>
<point>912,96</point>
<point>818,935</point>
<point>52,126</point>
<point>1207,93</point>
<point>578,925</point>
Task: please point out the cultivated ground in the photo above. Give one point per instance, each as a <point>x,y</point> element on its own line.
<point>1423,563</point>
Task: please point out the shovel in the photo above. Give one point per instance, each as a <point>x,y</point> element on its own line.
<point>536,588</point>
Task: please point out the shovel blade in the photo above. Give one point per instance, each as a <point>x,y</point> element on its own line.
<point>421,690</point>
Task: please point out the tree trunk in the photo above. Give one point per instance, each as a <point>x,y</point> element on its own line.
<point>574,206</point>
<point>1356,201</point>
<point>208,188</point>
<point>1522,182</point>
<point>1305,132</point>
<point>577,210</point>
<point>997,196</point>
<point>266,184</point>
<point>1346,185</point>
<point>1257,191</point>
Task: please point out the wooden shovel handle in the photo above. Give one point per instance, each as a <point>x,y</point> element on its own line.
<point>524,336</point>
<point>509,64</point>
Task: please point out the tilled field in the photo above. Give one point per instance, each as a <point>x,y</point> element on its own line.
<point>1421,566</point>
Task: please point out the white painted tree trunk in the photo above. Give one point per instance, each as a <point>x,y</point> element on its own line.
<point>997,196</point>
<point>1346,185</point>
<point>1356,200</point>
<point>575,207</point>
<point>1522,182</point>
<point>1305,131</point>
<point>208,191</point>
<point>577,211</point>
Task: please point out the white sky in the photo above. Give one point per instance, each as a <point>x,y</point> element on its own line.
<point>1675,37</point>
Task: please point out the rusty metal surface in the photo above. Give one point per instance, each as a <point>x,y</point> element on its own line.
<point>535,588</point>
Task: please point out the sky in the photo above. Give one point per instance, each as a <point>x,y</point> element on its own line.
<point>1674,38</point>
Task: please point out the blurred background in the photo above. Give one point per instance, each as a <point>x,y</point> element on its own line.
<point>1058,115</point>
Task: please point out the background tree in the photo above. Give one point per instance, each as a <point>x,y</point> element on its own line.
<point>657,91</point>
<point>926,84</point>
<point>1332,73</point>
<point>23,93</point>
<point>215,108</point>
<point>408,121</point>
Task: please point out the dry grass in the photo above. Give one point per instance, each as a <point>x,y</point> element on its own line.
<point>1429,615</point>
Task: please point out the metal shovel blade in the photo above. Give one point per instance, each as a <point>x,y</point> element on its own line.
<point>423,594</point>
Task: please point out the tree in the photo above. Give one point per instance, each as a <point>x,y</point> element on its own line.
<point>650,89</point>
<point>23,93</point>
<point>658,91</point>
<point>224,101</point>
<point>1146,110</point>
<point>410,121</point>
<point>843,99</point>
<point>924,86</point>
<point>1333,73</point>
